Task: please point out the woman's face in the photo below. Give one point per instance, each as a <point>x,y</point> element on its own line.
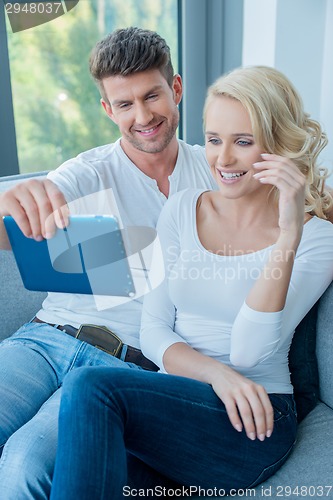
<point>230,147</point>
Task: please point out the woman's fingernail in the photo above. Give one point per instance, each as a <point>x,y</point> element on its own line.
<point>258,164</point>
<point>252,436</point>
<point>264,154</point>
<point>261,437</point>
<point>269,433</point>
<point>256,175</point>
<point>238,428</point>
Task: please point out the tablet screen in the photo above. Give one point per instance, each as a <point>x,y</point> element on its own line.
<point>87,257</point>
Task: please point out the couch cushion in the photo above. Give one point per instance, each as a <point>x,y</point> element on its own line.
<point>325,347</point>
<point>313,446</point>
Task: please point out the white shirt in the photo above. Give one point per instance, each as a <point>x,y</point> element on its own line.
<point>202,301</point>
<point>124,190</point>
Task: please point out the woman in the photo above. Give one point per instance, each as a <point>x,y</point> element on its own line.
<point>243,265</point>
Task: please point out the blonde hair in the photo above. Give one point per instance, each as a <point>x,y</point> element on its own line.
<point>280,125</point>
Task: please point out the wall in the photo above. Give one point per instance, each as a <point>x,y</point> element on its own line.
<point>296,37</point>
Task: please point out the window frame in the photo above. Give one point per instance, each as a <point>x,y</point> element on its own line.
<point>209,37</point>
<point>8,146</point>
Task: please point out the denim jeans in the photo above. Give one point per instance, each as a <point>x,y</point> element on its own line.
<point>33,364</point>
<point>133,429</point>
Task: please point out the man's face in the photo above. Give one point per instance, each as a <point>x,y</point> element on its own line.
<point>145,109</point>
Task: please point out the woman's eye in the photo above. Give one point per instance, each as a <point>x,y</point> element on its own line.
<point>213,140</point>
<point>244,143</point>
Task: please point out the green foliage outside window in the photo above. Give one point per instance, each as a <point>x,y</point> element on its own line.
<point>56,103</point>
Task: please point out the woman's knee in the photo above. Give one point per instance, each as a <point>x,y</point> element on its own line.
<point>85,388</point>
<point>86,385</point>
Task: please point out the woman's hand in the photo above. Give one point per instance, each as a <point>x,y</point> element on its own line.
<point>283,173</point>
<point>246,402</point>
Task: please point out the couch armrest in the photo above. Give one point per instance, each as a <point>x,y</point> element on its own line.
<point>17,305</point>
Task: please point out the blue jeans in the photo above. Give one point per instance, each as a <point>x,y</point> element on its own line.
<point>133,429</point>
<point>33,364</point>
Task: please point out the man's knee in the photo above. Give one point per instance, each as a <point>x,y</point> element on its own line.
<point>27,464</point>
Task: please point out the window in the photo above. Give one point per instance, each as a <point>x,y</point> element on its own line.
<point>56,103</point>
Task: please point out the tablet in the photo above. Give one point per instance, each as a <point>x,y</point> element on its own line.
<point>87,257</point>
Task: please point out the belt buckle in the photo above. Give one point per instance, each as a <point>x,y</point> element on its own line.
<point>100,337</point>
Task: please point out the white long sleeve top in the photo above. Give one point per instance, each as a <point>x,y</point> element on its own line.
<point>202,300</point>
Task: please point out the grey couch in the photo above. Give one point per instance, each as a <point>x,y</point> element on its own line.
<point>308,473</point>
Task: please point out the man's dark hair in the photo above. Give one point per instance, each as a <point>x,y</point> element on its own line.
<point>127,51</point>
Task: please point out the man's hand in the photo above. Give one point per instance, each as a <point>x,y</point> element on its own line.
<point>37,206</point>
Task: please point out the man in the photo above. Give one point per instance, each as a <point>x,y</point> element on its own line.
<point>140,93</point>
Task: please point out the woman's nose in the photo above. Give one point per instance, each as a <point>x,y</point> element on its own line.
<point>225,156</point>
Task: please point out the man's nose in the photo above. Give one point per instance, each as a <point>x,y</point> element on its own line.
<point>143,115</point>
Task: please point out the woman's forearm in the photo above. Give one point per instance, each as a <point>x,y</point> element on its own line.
<point>256,331</point>
<point>181,359</point>
<point>269,292</point>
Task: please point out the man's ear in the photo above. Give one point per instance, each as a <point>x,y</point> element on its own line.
<point>177,87</point>
<point>108,110</point>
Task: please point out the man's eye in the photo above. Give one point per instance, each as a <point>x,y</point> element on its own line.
<point>152,96</point>
<point>124,105</point>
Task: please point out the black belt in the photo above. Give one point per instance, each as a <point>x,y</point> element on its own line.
<point>104,339</point>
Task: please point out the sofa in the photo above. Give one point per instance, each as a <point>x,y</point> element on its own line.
<point>308,472</point>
